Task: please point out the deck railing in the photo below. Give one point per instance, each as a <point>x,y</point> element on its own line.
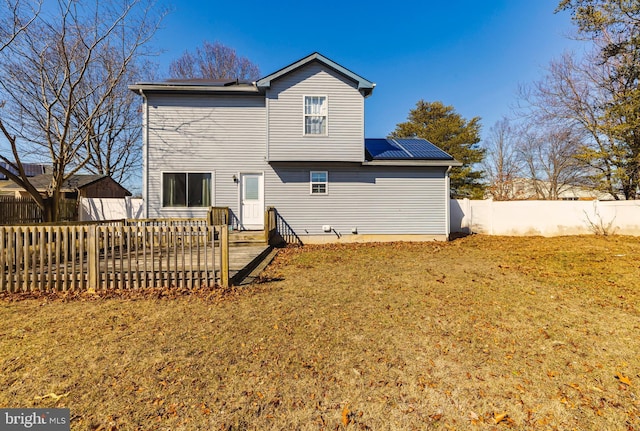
<point>218,216</point>
<point>112,256</point>
<point>277,230</point>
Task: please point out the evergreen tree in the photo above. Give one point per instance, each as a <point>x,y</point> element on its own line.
<point>444,127</point>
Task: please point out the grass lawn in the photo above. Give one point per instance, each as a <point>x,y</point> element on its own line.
<point>480,333</point>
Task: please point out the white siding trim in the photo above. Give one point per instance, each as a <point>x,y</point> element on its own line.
<point>266,132</point>
<point>447,198</point>
<point>145,155</point>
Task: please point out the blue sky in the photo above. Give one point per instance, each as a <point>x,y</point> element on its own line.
<point>468,54</point>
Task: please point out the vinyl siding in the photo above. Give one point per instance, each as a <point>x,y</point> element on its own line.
<point>285,99</point>
<point>374,200</point>
<point>223,135</point>
<point>227,135</point>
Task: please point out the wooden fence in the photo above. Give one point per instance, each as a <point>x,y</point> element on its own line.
<point>112,256</point>
<point>17,210</point>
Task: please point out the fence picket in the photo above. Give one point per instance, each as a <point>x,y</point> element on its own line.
<point>62,258</point>
<point>3,260</point>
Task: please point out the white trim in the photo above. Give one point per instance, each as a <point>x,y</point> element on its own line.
<point>145,155</point>
<point>447,198</point>
<point>304,116</point>
<point>267,133</point>
<point>311,183</point>
<point>187,172</point>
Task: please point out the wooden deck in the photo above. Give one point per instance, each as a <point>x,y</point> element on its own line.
<point>240,257</point>
<point>121,257</point>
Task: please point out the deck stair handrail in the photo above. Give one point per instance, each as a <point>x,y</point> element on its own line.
<point>277,230</point>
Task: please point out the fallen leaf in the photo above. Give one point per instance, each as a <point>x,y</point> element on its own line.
<point>499,417</point>
<point>52,396</point>
<point>345,415</point>
<point>623,379</point>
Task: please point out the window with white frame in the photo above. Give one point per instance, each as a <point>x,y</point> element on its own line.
<point>319,182</point>
<point>315,115</point>
<point>186,189</point>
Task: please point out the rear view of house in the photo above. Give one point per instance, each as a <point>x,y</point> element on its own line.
<point>293,140</point>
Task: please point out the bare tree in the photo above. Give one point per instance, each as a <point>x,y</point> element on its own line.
<point>576,96</point>
<point>549,156</point>
<point>213,61</point>
<point>113,140</point>
<point>501,163</point>
<point>59,78</point>
<point>15,18</point>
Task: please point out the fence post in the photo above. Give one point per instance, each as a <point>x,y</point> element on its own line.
<point>92,253</point>
<point>266,225</point>
<point>224,255</point>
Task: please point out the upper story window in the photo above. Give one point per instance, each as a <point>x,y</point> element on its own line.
<point>315,115</point>
<point>186,189</point>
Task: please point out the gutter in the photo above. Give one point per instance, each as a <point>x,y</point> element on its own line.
<point>205,89</point>
<point>447,200</point>
<point>443,163</point>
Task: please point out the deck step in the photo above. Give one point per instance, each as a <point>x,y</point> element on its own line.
<point>246,237</point>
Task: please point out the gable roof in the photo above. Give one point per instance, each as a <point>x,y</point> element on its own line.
<point>414,151</point>
<point>365,86</point>
<point>73,183</point>
<point>212,86</point>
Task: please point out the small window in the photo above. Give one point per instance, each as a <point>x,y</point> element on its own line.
<point>319,182</point>
<point>315,115</point>
<point>182,189</point>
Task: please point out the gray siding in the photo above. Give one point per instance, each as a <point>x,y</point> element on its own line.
<point>285,99</point>
<point>374,200</point>
<point>223,135</point>
<point>227,135</point>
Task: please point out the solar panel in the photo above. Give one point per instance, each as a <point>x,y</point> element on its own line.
<point>403,149</point>
<point>423,149</point>
<point>384,149</point>
<point>30,169</point>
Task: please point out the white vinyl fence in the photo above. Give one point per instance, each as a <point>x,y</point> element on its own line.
<point>546,218</point>
<point>515,218</point>
<point>93,209</point>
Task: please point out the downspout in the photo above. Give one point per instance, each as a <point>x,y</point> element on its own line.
<point>145,155</point>
<point>447,201</point>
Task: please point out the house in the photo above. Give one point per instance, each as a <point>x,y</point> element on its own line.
<point>76,186</point>
<point>30,170</point>
<point>531,189</point>
<point>293,140</point>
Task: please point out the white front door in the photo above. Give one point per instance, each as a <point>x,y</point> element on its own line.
<point>252,201</point>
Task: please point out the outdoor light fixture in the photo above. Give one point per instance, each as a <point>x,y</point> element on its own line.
<point>235,178</point>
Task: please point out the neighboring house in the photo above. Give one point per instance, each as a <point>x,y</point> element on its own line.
<point>293,140</point>
<point>77,186</point>
<point>531,189</point>
<point>30,170</point>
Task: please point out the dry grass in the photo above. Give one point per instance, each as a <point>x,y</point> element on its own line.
<point>382,336</point>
